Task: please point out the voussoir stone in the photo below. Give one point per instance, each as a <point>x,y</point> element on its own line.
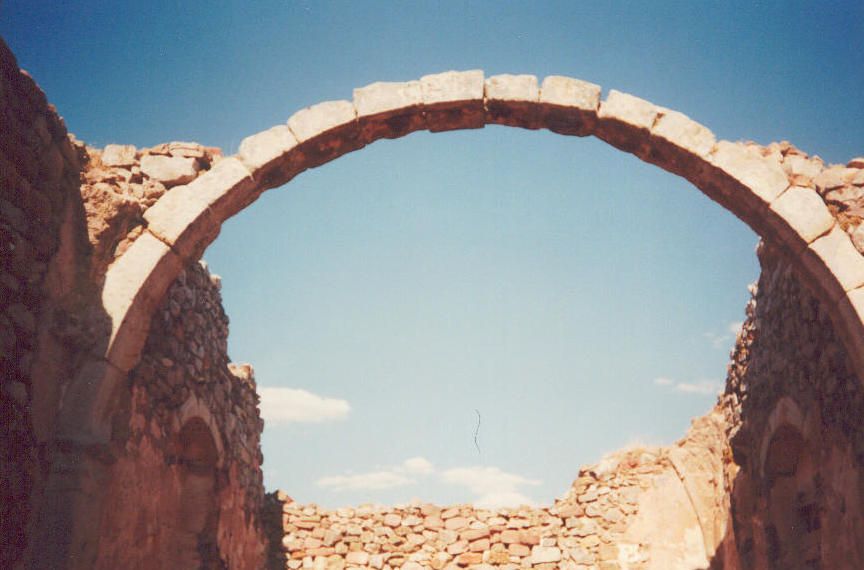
<point>389,110</point>
<point>312,121</point>
<point>570,92</point>
<point>169,170</point>
<point>188,217</point>
<point>381,97</point>
<point>264,148</point>
<point>512,100</point>
<point>682,131</point>
<point>763,176</point>
<point>119,155</point>
<point>628,109</point>
<point>453,100</point>
<point>133,286</point>
<point>836,251</point>
<point>624,121</point>
<point>805,212</point>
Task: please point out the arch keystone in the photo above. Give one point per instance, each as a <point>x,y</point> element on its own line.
<point>134,287</point>
<point>453,100</point>
<point>188,217</point>
<point>624,121</point>
<point>269,155</point>
<point>326,130</point>
<point>389,110</point>
<point>805,215</point>
<point>569,106</point>
<point>513,100</point>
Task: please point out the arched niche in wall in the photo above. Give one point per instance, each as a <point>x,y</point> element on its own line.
<point>791,519</point>
<point>197,515</point>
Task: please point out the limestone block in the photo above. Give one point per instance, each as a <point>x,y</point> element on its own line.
<point>326,130</point>
<point>685,133</point>
<point>798,165</point>
<point>568,106</point>
<point>513,100</point>
<point>119,155</point>
<point>186,149</point>
<point>805,214</point>
<point>628,109</point>
<point>544,554</point>
<point>169,170</point>
<point>453,100</point>
<point>316,120</point>
<point>679,145</point>
<point>134,286</point>
<point>832,178</point>
<point>389,110</point>
<point>833,265</point>
<point>624,121</point>
<point>269,155</point>
<point>764,177</point>
<point>189,217</point>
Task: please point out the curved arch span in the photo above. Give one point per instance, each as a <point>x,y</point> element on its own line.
<point>751,185</point>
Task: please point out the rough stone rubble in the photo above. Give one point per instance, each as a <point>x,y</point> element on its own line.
<point>590,528</point>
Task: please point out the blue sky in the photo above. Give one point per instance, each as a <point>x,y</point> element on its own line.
<point>578,299</point>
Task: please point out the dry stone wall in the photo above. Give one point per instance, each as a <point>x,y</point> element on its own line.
<point>794,408</point>
<point>185,375</point>
<point>642,508</point>
<point>38,186</point>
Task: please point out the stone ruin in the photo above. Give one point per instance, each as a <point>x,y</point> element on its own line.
<point>129,439</point>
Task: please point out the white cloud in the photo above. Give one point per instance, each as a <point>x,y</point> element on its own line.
<point>702,387</point>
<point>373,481</point>
<point>494,488</point>
<point>397,476</point>
<point>728,336</point>
<point>292,405</point>
<point>418,465</point>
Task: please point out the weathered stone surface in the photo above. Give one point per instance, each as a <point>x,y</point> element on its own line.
<point>453,100</point>
<point>683,132</point>
<point>169,170</point>
<point>836,252</point>
<point>761,176</point>
<point>805,213</point>
<point>119,155</point>
<point>624,121</point>
<point>512,100</point>
<point>389,110</point>
<point>270,155</point>
<point>568,106</point>
<point>316,120</point>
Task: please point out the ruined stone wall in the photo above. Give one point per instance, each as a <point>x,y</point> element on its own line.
<point>795,410</point>
<point>655,508</point>
<point>166,507</point>
<point>38,191</point>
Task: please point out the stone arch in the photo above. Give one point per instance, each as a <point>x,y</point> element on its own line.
<point>751,185</point>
